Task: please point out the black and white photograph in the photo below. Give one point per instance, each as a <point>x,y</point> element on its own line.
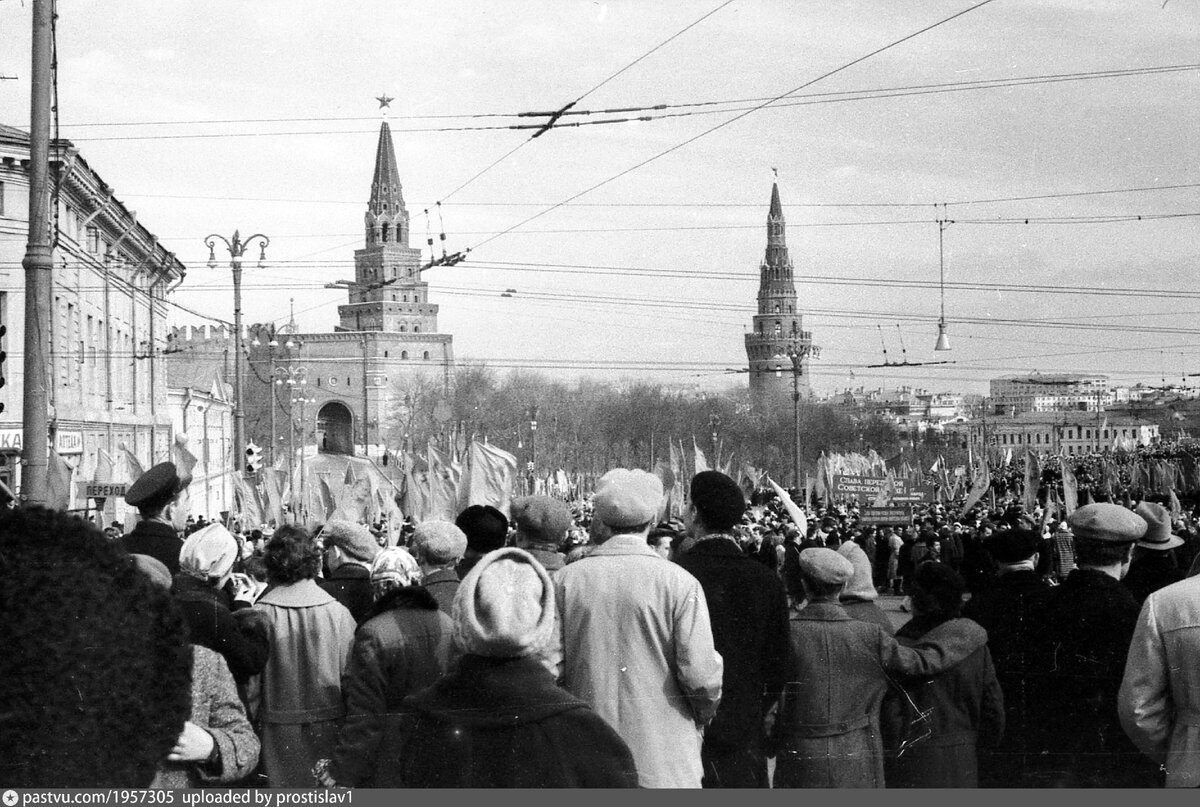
<point>546,394</point>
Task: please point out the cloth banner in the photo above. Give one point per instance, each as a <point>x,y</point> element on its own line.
<point>700,462</point>
<point>443,482</point>
<point>354,505</point>
<point>797,515</point>
<point>132,463</point>
<point>983,481</point>
<point>1070,487</point>
<point>58,482</point>
<point>488,478</point>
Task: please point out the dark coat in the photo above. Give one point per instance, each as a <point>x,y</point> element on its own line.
<point>1151,570</point>
<point>350,584</point>
<point>241,639</point>
<point>443,585</point>
<point>961,708</point>
<point>401,649</point>
<point>504,723</point>
<point>158,540</point>
<point>1078,636</point>
<point>1002,611</point>
<point>748,610</point>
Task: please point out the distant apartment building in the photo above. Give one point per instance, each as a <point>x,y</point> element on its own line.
<point>1063,432</point>
<point>1015,395</point>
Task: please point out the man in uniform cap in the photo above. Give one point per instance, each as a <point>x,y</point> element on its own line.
<point>161,497</point>
<point>1077,638</point>
<point>828,733</point>
<point>637,640</point>
<point>748,610</point>
<point>1002,611</point>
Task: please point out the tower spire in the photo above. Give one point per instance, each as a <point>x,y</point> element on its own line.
<point>386,218</point>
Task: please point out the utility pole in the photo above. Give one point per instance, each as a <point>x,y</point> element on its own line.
<point>38,265</point>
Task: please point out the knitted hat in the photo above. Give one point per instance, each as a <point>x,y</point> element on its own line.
<point>718,499</point>
<point>825,566</point>
<point>486,527</point>
<point>627,498</point>
<point>353,539</point>
<point>861,586</point>
<point>209,552</point>
<point>439,541</point>
<point>504,607</point>
<point>1158,527</point>
<point>394,568</point>
<point>542,519</point>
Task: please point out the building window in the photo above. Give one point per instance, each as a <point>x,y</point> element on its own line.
<point>93,240</point>
<point>416,329</point>
<point>403,354</point>
<point>426,356</point>
<point>385,354</point>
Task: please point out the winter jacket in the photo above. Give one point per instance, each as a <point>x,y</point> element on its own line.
<point>311,635</point>
<point>239,637</point>
<point>216,709</point>
<point>503,723</point>
<point>350,584</point>
<point>827,733</point>
<point>748,610</point>
<point>156,539</point>
<point>936,723</point>
<point>638,647</point>
<point>1078,636</point>
<point>404,648</point>
<point>1159,700</point>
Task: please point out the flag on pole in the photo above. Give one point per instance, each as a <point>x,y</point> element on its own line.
<point>797,515</point>
<point>488,478</point>
<point>104,466</point>
<point>1070,487</point>
<point>132,463</point>
<point>983,481</point>
<point>58,483</point>
<point>700,462</point>
<point>246,500</point>
<point>1033,478</point>
<point>443,482</point>
<point>354,505</point>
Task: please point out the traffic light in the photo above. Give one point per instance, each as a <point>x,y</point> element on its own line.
<point>254,459</point>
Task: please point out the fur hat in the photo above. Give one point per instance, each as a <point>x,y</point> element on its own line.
<point>353,539</point>
<point>208,553</point>
<point>440,542</point>
<point>542,519</point>
<point>861,585</point>
<point>718,499</point>
<point>486,527</point>
<point>626,498</point>
<point>504,607</point>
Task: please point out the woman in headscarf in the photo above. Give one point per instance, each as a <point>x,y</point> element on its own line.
<point>402,647</point>
<point>311,635</point>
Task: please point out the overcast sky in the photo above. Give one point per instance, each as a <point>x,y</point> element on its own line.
<point>206,117</point>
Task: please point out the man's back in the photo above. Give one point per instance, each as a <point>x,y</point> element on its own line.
<point>638,646</point>
<point>748,609</point>
<point>1078,636</point>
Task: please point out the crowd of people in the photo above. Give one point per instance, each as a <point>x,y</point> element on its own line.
<point>596,645</point>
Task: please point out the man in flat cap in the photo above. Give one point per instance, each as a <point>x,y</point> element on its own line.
<point>161,497</point>
<point>1077,640</point>
<point>349,550</point>
<point>1002,611</point>
<point>438,546</point>
<point>828,732</point>
<point>542,523</point>
<point>748,609</point>
<point>637,640</point>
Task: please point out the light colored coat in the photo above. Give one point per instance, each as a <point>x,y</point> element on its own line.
<point>638,647</point>
<point>311,635</point>
<point>1159,701</point>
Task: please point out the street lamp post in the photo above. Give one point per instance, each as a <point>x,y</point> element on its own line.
<point>237,248</point>
<point>301,399</point>
<point>292,377</point>
<point>796,353</point>
<point>533,410</point>
<point>714,425</point>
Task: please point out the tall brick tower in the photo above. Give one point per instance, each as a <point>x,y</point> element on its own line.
<point>776,330</point>
<point>403,305</point>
